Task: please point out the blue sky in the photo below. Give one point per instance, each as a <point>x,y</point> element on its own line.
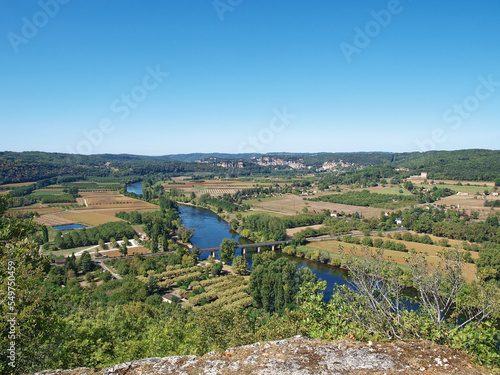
<point>159,77</point>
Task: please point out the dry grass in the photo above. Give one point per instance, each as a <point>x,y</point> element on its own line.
<point>292,204</point>
<point>90,218</point>
<point>212,187</point>
<point>40,209</point>
<point>131,251</point>
<point>471,203</point>
<point>102,207</point>
<point>291,231</point>
<point>109,199</point>
<point>453,182</point>
<point>18,184</point>
<point>397,257</point>
<point>54,219</point>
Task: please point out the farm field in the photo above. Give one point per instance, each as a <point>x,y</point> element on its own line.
<point>457,188</point>
<point>212,187</point>
<point>43,192</point>
<point>387,190</point>
<point>471,203</point>
<point>291,231</point>
<point>39,208</point>
<point>398,257</point>
<point>263,200</point>
<point>90,217</point>
<point>102,207</point>
<point>253,211</point>
<point>110,199</point>
<point>488,184</point>
<point>292,204</point>
<point>131,251</point>
<point>18,184</point>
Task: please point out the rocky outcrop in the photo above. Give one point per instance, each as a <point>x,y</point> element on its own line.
<point>302,356</point>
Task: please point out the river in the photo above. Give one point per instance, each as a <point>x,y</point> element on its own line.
<point>135,187</point>
<point>210,230</point>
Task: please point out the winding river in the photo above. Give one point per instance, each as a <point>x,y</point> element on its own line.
<point>210,230</point>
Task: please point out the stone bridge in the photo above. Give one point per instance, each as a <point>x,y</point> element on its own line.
<point>243,247</point>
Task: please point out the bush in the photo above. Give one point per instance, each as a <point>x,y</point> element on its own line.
<point>301,252</point>
<point>290,250</point>
<point>335,262</point>
<point>324,257</point>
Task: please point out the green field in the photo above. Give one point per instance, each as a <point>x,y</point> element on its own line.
<point>260,200</point>
<point>248,213</point>
<point>67,252</point>
<point>45,192</point>
<point>389,190</point>
<point>457,188</point>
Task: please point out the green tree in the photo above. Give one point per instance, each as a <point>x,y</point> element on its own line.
<point>240,266</point>
<point>488,263</point>
<point>24,270</point>
<point>85,263</point>
<point>123,249</point>
<point>196,252</point>
<point>105,276</point>
<point>45,234</point>
<point>188,260</point>
<point>152,285</point>
<point>299,239</point>
<point>58,241</point>
<point>227,249</point>
<point>216,269</point>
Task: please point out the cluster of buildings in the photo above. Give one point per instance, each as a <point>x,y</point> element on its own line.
<point>222,163</point>
<point>268,161</point>
<point>334,165</point>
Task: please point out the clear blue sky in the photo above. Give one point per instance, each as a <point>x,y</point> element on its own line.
<point>409,75</point>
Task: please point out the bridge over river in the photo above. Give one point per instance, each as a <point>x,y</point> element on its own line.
<point>243,247</point>
<point>274,244</point>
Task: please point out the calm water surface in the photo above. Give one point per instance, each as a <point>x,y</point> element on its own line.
<point>136,187</point>
<point>210,230</point>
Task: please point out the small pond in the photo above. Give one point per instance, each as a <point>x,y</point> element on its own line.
<point>68,226</point>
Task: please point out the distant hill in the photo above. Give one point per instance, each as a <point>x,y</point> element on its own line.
<point>477,165</point>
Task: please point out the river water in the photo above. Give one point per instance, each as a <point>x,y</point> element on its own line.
<point>136,188</point>
<point>210,230</point>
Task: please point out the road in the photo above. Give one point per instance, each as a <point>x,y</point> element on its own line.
<point>104,267</point>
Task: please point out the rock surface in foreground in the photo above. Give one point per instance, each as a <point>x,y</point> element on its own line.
<point>302,356</point>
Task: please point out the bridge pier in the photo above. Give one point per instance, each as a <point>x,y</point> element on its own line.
<point>213,254</point>
<point>243,252</point>
<point>258,250</point>
<point>273,247</point>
